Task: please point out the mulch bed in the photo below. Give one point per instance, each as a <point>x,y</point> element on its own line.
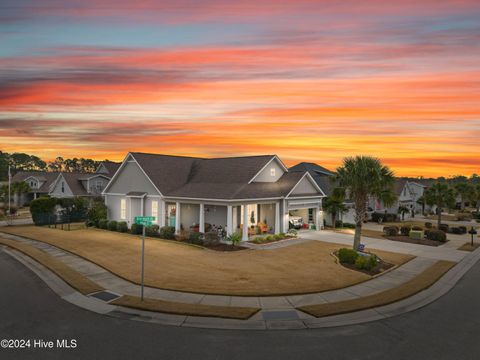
<point>225,247</point>
<point>406,239</point>
<point>381,267</point>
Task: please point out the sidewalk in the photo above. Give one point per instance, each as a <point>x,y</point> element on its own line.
<point>276,312</point>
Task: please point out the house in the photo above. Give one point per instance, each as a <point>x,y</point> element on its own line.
<point>409,192</point>
<point>78,184</point>
<point>40,183</point>
<point>62,184</point>
<point>233,193</point>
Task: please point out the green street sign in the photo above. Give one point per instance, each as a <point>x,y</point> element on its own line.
<point>144,220</point>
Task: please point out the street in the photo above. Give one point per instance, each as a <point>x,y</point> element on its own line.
<point>447,329</point>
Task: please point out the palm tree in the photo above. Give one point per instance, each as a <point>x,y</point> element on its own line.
<point>363,177</point>
<point>19,188</point>
<point>476,197</point>
<point>440,195</point>
<point>421,201</point>
<point>465,191</point>
<point>334,204</point>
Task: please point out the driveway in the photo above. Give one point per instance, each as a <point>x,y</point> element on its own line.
<point>446,329</point>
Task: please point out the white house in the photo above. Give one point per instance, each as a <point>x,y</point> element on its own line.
<point>191,193</point>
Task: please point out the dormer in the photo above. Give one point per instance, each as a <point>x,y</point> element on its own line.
<point>271,172</point>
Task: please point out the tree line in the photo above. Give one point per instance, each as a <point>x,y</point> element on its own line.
<point>27,162</point>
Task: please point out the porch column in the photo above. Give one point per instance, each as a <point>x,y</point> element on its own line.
<point>277,218</point>
<point>229,220</point>
<point>245,223</point>
<point>142,207</point>
<point>201,219</point>
<point>162,213</point>
<point>177,217</point>
<point>318,218</point>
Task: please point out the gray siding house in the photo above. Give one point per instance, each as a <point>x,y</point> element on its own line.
<point>233,193</point>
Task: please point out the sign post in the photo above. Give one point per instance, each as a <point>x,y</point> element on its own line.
<point>144,221</point>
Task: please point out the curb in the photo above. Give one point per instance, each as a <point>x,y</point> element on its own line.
<point>421,299</point>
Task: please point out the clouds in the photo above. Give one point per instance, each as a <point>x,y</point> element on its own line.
<point>309,80</point>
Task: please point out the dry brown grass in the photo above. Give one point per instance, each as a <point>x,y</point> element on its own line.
<point>302,268</point>
<point>424,280</point>
<point>468,246</point>
<point>70,276</point>
<point>171,307</point>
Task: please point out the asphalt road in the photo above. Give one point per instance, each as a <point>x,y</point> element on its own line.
<point>447,329</point>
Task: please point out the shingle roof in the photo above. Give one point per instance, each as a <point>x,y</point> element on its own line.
<point>73,181</point>
<point>321,175</point>
<point>46,176</point>
<point>111,166</point>
<point>218,178</point>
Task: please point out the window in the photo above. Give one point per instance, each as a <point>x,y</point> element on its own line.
<point>155,210</point>
<point>272,172</point>
<point>98,185</point>
<point>123,209</point>
<point>63,187</point>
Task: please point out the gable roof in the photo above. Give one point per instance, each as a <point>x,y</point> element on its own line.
<point>321,175</point>
<point>73,181</point>
<point>47,177</point>
<point>216,178</point>
<point>110,166</point>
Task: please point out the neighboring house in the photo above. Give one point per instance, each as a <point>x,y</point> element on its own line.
<point>79,184</point>
<point>408,192</point>
<point>40,183</point>
<point>64,184</point>
<point>108,168</point>
<point>231,193</point>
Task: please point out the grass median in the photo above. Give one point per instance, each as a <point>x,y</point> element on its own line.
<point>421,282</point>
<point>70,276</point>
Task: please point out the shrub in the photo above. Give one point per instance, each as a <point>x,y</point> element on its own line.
<point>437,235</point>
<point>236,237</point>
<point>338,223</point>
<point>136,229</point>
<point>443,227</point>
<point>103,224</point>
<point>195,238</point>
<point>97,212</point>
<point>347,256</point>
<point>269,238</point>
<point>167,232</point>
<point>390,230</point>
<point>183,235</point>
<point>152,230</point>
<point>258,239</point>
<point>122,226</point>
<point>405,230</point>
<point>349,225</point>
<point>464,216</point>
<point>211,238</point>
<point>277,237</point>
<point>416,234</point>
<point>428,225</point>
<point>112,225</point>
<point>460,230</point>
<point>42,210</point>
<point>417,228</point>
<point>363,262</point>
<point>383,217</point>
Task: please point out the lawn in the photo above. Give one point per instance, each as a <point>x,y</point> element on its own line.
<point>302,268</point>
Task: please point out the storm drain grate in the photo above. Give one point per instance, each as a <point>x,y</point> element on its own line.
<point>280,315</point>
<point>105,296</point>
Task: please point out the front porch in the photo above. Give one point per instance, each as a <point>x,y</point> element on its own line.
<point>249,219</point>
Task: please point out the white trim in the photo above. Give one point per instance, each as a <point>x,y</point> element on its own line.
<point>314,183</point>
<point>275,157</point>
<point>172,198</point>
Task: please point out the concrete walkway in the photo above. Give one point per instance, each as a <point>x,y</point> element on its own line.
<point>277,312</point>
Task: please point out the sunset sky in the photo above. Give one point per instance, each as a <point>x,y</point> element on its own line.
<point>306,80</point>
